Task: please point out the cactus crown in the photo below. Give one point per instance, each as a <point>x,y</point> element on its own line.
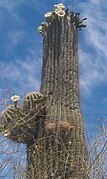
<point>59,13</point>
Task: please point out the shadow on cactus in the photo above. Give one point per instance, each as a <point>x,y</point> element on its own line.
<point>21,123</point>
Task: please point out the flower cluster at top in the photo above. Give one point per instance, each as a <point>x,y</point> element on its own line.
<point>61,14</point>
<point>58,10</point>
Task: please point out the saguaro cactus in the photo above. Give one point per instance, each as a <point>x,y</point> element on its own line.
<point>60,79</point>
<point>50,123</point>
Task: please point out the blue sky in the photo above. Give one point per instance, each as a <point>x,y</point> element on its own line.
<point>21,52</point>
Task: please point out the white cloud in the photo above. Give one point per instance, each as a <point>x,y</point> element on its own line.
<point>23,73</point>
<point>14,38</point>
<point>93,48</point>
<point>9,6</point>
<point>92,72</point>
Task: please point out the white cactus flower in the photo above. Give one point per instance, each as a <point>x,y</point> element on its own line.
<point>15,98</point>
<point>57,10</point>
<point>61,13</point>
<point>48,14</point>
<point>59,6</point>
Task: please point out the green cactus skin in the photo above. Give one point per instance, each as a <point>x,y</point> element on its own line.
<point>22,123</point>
<point>33,100</point>
<point>11,119</point>
<point>61,151</point>
<point>34,106</point>
<point>60,75</point>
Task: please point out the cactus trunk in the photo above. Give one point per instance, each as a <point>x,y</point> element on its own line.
<point>64,153</point>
